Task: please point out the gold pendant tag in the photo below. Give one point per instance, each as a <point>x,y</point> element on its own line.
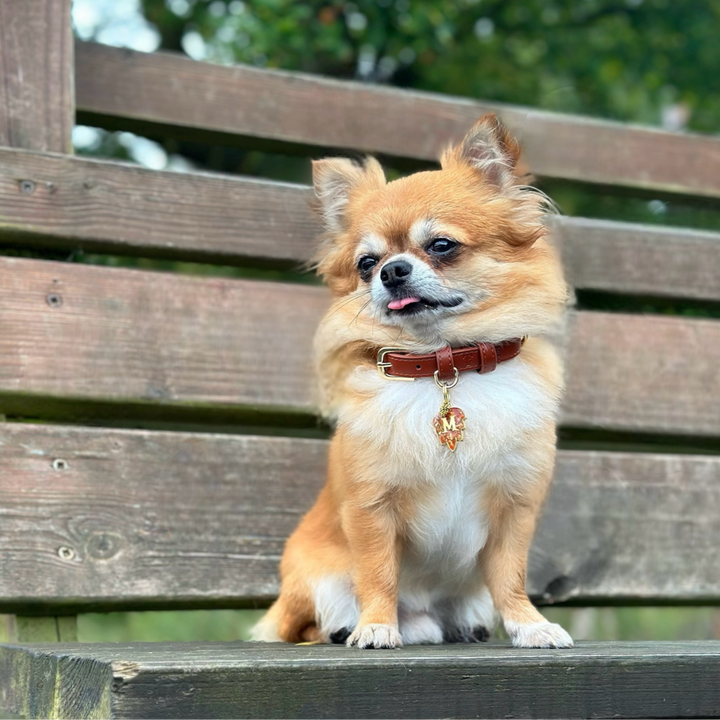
<point>449,423</point>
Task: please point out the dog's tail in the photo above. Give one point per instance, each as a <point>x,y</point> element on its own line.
<point>288,620</point>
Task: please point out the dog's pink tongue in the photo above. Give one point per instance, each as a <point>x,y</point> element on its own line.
<point>400,304</point>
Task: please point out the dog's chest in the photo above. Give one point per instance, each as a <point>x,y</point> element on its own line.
<point>500,409</point>
<point>448,526</point>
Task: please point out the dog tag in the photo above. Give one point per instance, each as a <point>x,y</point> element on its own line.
<point>449,423</point>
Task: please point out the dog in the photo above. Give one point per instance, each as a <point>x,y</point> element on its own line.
<point>439,365</point>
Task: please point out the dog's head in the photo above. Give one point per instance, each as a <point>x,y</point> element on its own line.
<point>452,256</point>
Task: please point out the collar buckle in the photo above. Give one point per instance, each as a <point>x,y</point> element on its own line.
<point>382,365</point>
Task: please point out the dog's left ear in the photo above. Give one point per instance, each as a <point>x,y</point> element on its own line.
<point>336,179</point>
<point>490,149</point>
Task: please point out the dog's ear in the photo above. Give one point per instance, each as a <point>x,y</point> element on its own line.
<point>490,149</point>
<point>335,179</point>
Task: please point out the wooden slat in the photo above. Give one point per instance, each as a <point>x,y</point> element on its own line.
<point>95,205</point>
<point>180,94</point>
<point>93,333</point>
<point>643,373</point>
<point>639,259</point>
<point>121,518</point>
<point>125,209</point>
<point>37,108</point>
<point>246,680</point>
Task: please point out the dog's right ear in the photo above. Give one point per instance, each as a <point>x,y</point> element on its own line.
<point>488,148</point>
<point>335,179</point>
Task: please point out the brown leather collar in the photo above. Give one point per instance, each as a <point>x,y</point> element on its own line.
<point>446,363</point>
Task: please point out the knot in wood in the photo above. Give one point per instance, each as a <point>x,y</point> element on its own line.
<point>103,546</point>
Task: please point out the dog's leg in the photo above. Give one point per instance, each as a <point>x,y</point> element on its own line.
<point>374,546</point>
<point>503,562</point>
<point>336,608</point>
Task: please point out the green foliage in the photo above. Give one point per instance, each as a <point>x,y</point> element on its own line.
<point>630,60</point>
<point>179,626</point>
<point>629,623</point>
<point>638,623</point>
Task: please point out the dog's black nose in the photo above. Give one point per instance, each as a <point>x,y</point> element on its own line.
<point>394,273</point>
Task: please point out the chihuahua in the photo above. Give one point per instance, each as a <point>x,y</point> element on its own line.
<point>438,364</point>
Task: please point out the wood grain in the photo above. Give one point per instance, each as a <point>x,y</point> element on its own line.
<point>639,259</point>
<point>107,335</point>
<point>177,94</point>
<point>37,108</point>
<point>94,518</point>
<point>124,209</point>
<point>39,684</point>
<point>92,332</point>
<point>114,207</point>
<point>245,680</point>
<point>657,374</point>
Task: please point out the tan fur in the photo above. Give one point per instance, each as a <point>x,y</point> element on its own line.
<point>385,542</point>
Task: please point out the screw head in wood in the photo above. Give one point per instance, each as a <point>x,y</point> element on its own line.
<point>54,300</point>
<point>60,464</point>
<point>27,187</point>
<point>66,553</point>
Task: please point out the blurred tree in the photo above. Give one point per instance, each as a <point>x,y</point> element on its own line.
<point>649,61</point>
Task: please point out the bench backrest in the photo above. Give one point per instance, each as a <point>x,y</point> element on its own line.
<point>192,509</point>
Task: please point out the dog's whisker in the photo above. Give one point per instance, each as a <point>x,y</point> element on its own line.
<point>355,319</point>
<point>355,296</point>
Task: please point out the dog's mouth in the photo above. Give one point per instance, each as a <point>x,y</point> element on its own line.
<point>415,304</point>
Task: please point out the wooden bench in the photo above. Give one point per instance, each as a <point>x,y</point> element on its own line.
<point>97,516</point>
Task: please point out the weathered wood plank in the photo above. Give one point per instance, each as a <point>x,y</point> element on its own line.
<point>92,332</point>
<point>118,519</point>
<point>37,108</point>
<point>244,680</point>
<point>643,373</point>
<point>179,94</point>
<point>95,205</point>
<point>628,526</point>
<point>47,685</point>
<point>639,259</point>
<point>109,335</point>
<point>129,517</point>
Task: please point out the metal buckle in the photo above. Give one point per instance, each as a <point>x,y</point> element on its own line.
<point>382,366</point>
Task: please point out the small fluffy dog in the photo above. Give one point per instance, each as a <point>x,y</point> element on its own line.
<point>435,362</point>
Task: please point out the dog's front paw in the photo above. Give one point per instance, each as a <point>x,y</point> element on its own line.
<point>375,635</point>
<point>538,635</point>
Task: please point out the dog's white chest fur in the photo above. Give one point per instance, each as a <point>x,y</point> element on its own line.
<point>448,528</point>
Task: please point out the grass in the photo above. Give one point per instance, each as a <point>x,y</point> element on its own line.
<point>623,623</point>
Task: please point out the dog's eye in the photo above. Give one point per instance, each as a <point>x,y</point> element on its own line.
<point>365,265</point>
<point>441,246</point>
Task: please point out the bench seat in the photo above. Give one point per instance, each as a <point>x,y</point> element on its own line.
<point>239,680</point>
